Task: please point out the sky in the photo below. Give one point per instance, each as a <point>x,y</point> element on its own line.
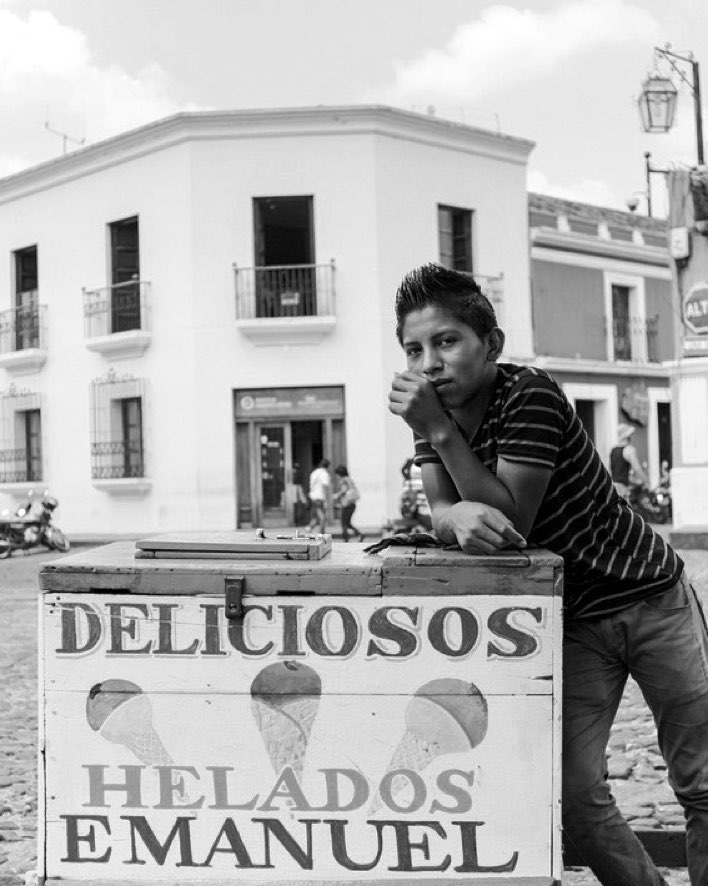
<point>562,73</point>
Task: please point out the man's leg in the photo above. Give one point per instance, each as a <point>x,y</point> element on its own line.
<point>594,675</point>
<point>669,661</point>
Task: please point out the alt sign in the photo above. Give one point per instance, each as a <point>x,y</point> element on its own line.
<point>695,308</point>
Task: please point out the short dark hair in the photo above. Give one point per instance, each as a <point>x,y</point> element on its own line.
<point>341,470</point>
<point>432,285</point>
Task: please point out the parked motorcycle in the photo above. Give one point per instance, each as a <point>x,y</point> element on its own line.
<point>30,527</point>
<point>663,500</point>
<point>652,504</point>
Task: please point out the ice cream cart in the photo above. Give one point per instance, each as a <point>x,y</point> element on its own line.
<point>267,711</point>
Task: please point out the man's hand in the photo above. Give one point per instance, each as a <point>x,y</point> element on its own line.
<point>413,397</point>
<point>481,529</point>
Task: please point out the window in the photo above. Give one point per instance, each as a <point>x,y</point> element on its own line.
<point>20,437</point>
<point>285,274</point>
<point>117,429</point>
<point>130,430</point>
<point>31,430</point>
<point>629,333</point>
<point>621,325</point>
<point>125,275</point>
<point>26,306</point>
<point>455,235</point>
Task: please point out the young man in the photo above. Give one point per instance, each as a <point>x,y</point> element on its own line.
<point>506,461</point>
<point>320,486</point>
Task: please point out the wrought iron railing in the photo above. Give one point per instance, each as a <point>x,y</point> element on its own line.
<point>636,339</point>
<point>284,291</point>
<point>118,308</point>
<point>115,460</point>
<point>16,467</point>
<point>21,328</point>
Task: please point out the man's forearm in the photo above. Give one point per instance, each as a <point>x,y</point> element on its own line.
<point>474,482</point>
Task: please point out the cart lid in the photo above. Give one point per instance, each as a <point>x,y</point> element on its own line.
<point>246,545</point>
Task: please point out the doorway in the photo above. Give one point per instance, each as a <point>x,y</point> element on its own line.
<point>586,413</point>
<point>281,435</point>
<point>288,451</point>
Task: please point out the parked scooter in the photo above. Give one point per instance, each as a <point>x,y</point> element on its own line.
<point>25,530</point>
<point>653,506</point>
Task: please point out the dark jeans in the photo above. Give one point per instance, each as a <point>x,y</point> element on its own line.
<point>662,643</point>
<point>347,527</point>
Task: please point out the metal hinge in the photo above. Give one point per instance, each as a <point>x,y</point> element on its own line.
<point>234,590</point>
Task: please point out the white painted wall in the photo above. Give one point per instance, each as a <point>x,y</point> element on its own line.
<point>376,185</point>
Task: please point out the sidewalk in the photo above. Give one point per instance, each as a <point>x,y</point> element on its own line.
<point>637,773</point>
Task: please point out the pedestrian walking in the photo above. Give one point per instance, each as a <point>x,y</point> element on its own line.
<point>624,462</point>
<point>347,495</point>
<point>319,492</point>
<point>506,461</point>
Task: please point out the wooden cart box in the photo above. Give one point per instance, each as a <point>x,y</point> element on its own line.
<point>374,719</point>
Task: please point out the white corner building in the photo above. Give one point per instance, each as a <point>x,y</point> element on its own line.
<point>194,312</point>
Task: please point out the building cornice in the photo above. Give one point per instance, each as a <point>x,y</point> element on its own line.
<point>320,121</point>
<point>584,244</point>
<point>602,367</point>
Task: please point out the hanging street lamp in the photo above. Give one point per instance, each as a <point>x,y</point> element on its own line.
<point>657,104</point>
<point>657,101</point>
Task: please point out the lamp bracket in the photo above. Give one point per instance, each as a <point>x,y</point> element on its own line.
<point>668,54</point>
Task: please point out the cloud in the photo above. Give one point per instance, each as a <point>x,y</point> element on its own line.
<point>48,70</point>
<point>505,46</point>
<point>593,191</point>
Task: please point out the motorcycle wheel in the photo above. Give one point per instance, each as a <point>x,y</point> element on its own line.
<point>56,539</point>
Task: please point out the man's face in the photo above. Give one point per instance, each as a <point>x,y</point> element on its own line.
<point>448,353</point>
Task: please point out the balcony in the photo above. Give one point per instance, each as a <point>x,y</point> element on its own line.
<point>285,304</point>
<point>635,340</point>
<point>22,336</point>
<point>115,319</point>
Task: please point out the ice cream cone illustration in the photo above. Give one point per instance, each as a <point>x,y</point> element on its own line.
<point>444,716</point>
<point>121,712</point>
<point>285,698</point>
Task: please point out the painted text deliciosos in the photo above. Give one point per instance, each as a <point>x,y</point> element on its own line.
<point>284,630</point>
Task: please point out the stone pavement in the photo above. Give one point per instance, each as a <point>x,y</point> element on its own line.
<point>636,769</point>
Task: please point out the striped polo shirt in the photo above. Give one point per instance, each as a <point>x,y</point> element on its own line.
<point>612,557</point>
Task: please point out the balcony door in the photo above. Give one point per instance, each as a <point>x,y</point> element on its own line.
<point>26,299</point>
<point>284,257</point>
<point>125,275</point>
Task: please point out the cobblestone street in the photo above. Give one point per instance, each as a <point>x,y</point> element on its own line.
<point>636,769</point>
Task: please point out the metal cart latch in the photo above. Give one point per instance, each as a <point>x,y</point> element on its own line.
<point>234,589</point>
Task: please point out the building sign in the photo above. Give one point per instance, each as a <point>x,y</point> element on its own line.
<point>290,403</point>
<point>695,309</point>
<point>395,739</point>
<point>695,318</point>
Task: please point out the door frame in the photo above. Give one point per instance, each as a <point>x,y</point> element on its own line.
<point>656,395</point>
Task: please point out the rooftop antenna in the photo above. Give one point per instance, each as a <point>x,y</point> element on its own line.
<point>64,136</point>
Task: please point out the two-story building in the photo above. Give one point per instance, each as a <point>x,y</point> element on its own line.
<point>604,319</point>
<point>195,312</point>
